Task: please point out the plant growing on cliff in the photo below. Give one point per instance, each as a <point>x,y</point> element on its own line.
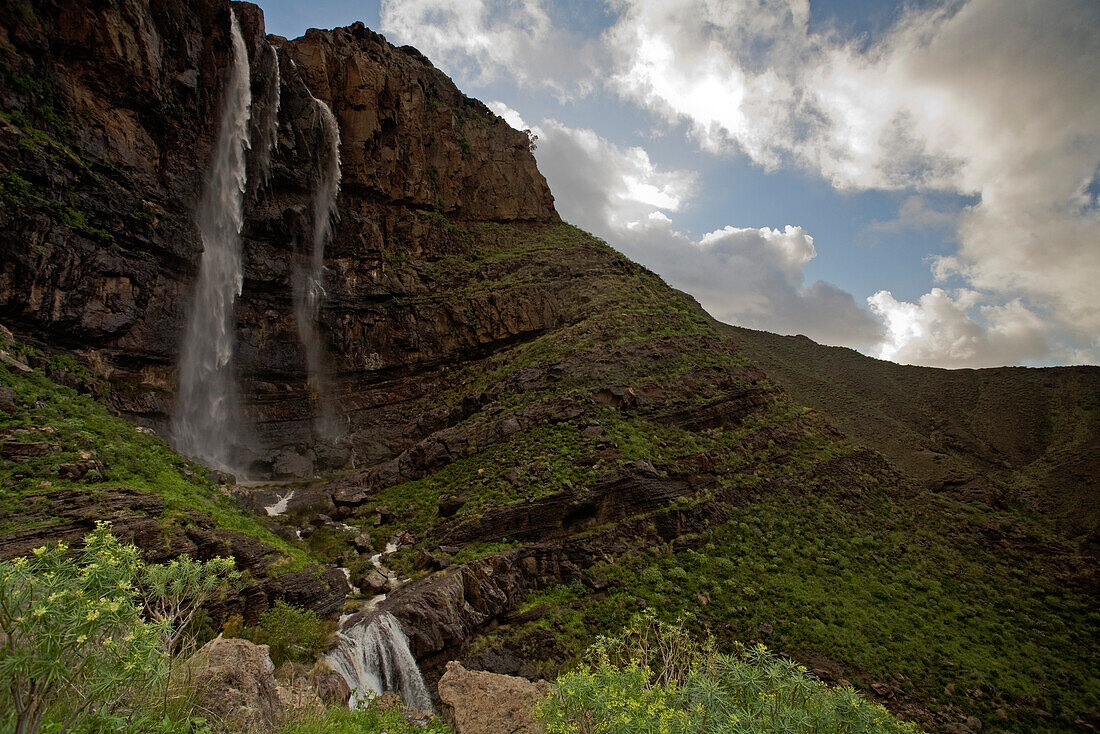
<point>655,677</point>
<point>292,634</point>
<point>87,636</point>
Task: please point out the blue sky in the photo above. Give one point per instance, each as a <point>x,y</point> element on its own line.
<point>917,180</point>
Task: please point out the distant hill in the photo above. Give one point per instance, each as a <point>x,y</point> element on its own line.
<point>1008,434</point>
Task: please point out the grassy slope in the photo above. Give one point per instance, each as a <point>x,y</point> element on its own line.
<point>983,610</point>
<point>83,429</point>
<point>1034,432</point>
<point>865,571</point>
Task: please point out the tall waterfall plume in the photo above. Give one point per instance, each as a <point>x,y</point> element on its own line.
<point>265,121</point>
<point>375,657</point>
<point>205,424</point>
<point>309,289</point>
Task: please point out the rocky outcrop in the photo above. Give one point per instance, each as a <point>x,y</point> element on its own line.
<point>409,135</point>
<point>233,678</point>
<point>475,702</point>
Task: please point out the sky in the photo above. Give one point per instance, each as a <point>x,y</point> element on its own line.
<point>916,180</point>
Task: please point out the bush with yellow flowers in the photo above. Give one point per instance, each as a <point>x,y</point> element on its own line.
<point>655,678</point>
<point>87,636</point>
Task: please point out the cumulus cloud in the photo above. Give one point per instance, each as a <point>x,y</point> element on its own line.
<point>994,98</point>
<point>509,115</point>
<point>748,276</point>
<point>483,40</point>
<point>941,329</point>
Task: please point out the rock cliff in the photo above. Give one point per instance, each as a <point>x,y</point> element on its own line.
<point>110,113</point>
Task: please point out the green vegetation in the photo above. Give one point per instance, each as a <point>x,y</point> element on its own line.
<point>75,428</point>
<point>367,720</point>
<point>889,585</point>
<point>655,677</point>
<point>87,639</point>
<point>293,634</point>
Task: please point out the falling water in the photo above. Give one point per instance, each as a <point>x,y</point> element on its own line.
<point>265,120</point>
<point>309,280</point>
<point>205,421</point>
<point>375,657</point>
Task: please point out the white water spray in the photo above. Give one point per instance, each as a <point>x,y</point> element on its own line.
<point>205,424</point>
<point>375,657</point>
<point>309,289</point>
<point>265,120</point>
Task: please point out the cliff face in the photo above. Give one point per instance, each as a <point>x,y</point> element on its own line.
<point>111,115</point>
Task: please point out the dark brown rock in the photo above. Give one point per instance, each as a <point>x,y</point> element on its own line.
<point>9,400</point>
<point>450,504</point>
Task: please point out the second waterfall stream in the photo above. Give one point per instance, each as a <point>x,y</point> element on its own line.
<point>373,656</point>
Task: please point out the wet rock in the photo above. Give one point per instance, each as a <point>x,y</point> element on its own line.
<point>424,561</point>
<point>329,685</point>
<point>291,464</point>
<point>374,582</point>
<point>234,679</point>
<point>476,702</point>
<point>222,477</point>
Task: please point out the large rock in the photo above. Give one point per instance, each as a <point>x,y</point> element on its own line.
<point>475,702</point>
<point>234,680</point>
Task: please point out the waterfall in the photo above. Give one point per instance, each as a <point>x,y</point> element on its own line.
<point>205,422</point>
<point>309,279</point>
<point>376,657</point>
<point>265,121</point>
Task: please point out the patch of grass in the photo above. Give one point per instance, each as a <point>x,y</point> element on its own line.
<point>82,429</point>
<point>887,585</point>
<point>368,720</point>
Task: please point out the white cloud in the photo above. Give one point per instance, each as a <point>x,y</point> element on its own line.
<point>601,187</point>
<point>943,329</point>
<point>484,40</point>
<point>747,276</point>
<point>994,98</point>
<point>510,116</point>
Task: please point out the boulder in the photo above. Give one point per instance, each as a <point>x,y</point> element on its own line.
<point>375,582</point>
<point>234,679</point>
<point>450,504</point>
<point>476,702</point>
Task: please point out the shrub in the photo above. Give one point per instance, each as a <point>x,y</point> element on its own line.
<point>655,677</point>
<point>86,638</point>
<point>74,635</point>
<point>293,634</point>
